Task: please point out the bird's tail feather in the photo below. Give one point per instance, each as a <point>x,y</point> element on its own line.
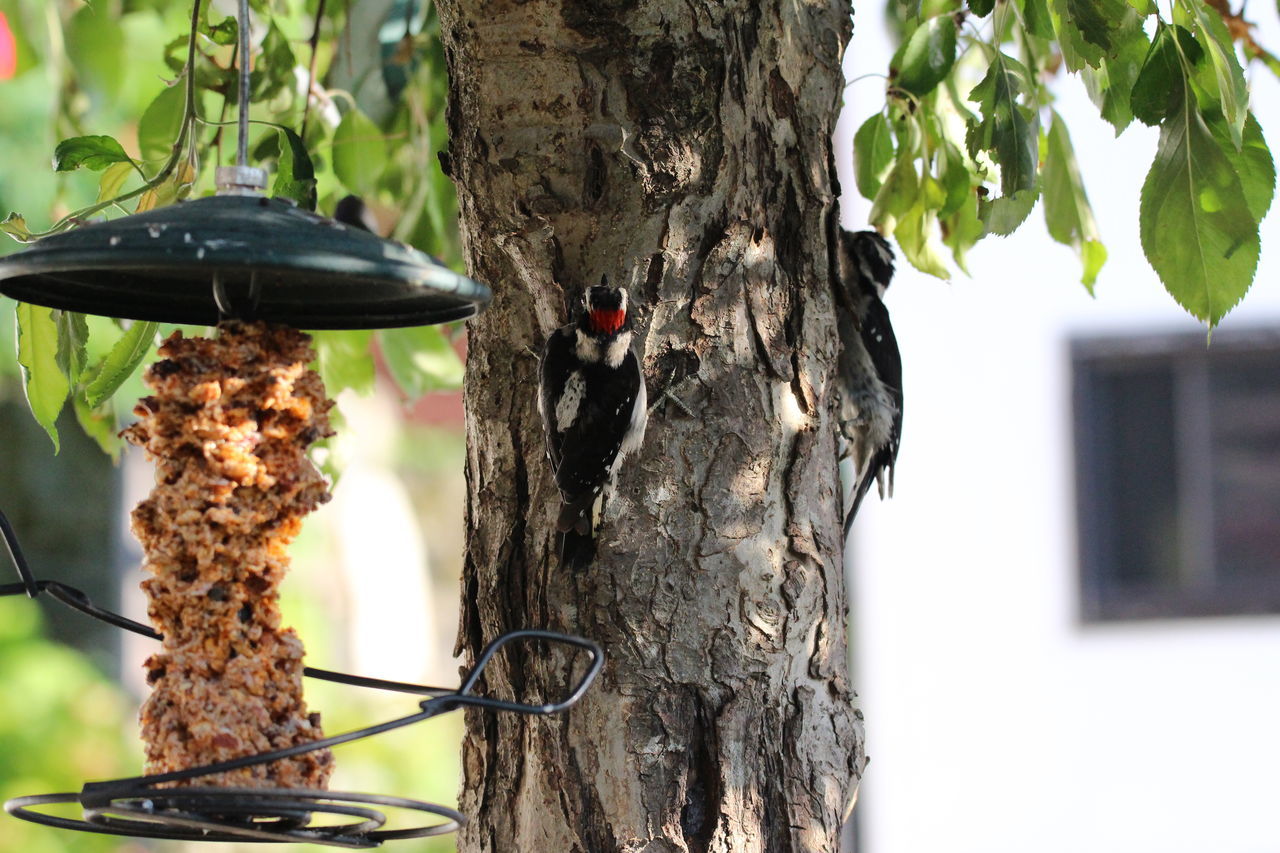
<point>576,526</point>
<point>860,492</point>
<point>576,515</point>
<point>577,550</point>
<point>883,468</point>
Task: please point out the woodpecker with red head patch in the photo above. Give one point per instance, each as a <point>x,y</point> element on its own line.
<point>594,409</point>
<point>869,371</point>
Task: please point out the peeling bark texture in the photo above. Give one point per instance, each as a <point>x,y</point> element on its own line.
<point>682,149</point>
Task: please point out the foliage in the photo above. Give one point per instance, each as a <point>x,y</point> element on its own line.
<point>70,725</point>
<point>372,128</point>
<point>968,140</point>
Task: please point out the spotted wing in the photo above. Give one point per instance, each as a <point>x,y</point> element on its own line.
<point>592,437</point>
<point>557,365</point>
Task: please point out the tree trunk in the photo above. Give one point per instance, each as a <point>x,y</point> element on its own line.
<point>682,149</point>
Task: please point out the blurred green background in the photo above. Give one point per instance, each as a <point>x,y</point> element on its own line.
<point>69,687</point>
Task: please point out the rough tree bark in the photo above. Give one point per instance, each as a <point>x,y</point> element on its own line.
<point>682,149</point>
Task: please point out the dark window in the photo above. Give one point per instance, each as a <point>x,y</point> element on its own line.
<point>1178,474</point>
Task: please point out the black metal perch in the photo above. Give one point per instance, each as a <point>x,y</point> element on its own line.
<point>138,807</point>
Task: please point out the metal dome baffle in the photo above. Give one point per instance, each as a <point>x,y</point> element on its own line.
<point>243,256</point>
<point>240,256</point>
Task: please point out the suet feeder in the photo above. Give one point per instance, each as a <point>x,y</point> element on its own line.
<point>239,256</point>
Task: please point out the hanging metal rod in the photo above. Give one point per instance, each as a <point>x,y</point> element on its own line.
<point>242,143</point>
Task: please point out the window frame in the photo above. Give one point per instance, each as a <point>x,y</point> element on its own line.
<point>1201,591</point>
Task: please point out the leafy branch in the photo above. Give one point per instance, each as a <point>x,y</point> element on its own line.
<point>100,152</point>
<point>946,167</point>
<point>65,356</point>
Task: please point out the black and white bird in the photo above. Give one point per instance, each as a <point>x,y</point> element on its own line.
<point>869,371</point>
<point>351,210</point>
<point>594,409</point>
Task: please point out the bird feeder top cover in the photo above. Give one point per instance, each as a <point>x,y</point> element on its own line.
<point>245,256</point>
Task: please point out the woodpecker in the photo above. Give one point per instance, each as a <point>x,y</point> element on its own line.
<point>869,371</point>
<point>351,210</point>
<point>594,408</point>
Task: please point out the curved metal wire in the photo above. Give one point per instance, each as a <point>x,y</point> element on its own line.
<point>227,307</point>
<point>137,806</point>
<point>241,814</point>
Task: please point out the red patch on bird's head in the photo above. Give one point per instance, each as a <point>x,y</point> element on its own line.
<point>605,322</point>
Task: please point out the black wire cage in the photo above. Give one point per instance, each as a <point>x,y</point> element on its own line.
<point>141,807</point>
<point>241,256</point>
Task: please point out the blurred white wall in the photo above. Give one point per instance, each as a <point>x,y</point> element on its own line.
<point>380,548</point>
<point>996,721</point>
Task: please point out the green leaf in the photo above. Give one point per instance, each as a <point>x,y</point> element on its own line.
<point>95,45</point>
<point>1092,256</point>
<point>898,193</point>
<point>1077,51</point>
<point>103,334</point>
<point>981,7</point>
<point>918,236</point>
<point>1252,162</point>
<point>1003,215</point>
<point>295,176</point>
<point>1233,94</point>
<point>112,180</point>
<point>106,376</point>
<point>273,72</point>
<point>955,177</point>
<point>92,152</point>
<point>73,333</point>
<point>421,359</point>
<point>441,202</point>
<point>1158,89</point>
<point>1039,21</point>
<point>1067,212</point>
<point>872,154</point>
<point>16,227</point>
<point>225,32</point>
<point>359,153</point>
<point>962,229</point>
<point>1111,83</point>
<point>1099,21</point>
<point>161,123</point>
<point>926,56</point>
<point>917,229</point>
<point>344,361</point>
<point>177,186</point>
<point>175,54</point>
<point>1089,31</point>
<point>100,425</point>
<point>43,381</point>
<point>1008,131</point>
<point>1196,227</point>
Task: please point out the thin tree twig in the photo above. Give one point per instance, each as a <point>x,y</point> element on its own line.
<point>311,68</point>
